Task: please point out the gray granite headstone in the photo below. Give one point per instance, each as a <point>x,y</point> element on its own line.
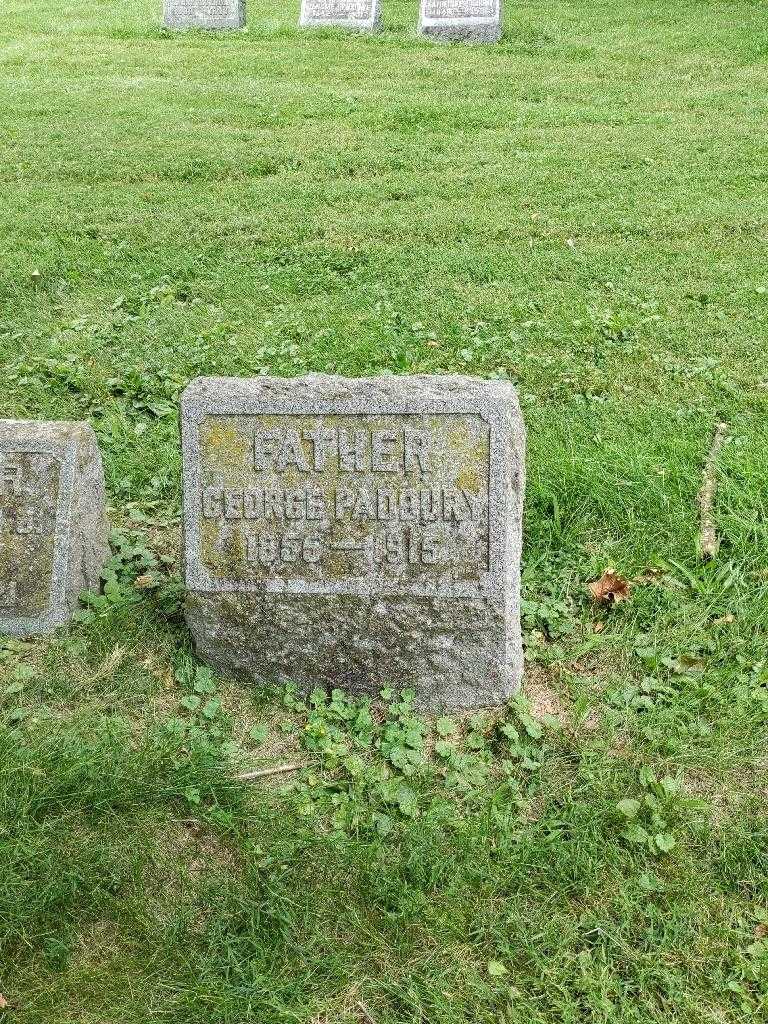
<point>469,21</point>
<point>212,14</point>
<point>53,528</point>
<point>357,533</point>
<point>362,15</point>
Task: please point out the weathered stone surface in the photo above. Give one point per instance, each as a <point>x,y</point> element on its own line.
<point>467,21</point>
<point>362,15</point>
<point>53,529</point>
<point>357,533</point>
<point>212,14</point>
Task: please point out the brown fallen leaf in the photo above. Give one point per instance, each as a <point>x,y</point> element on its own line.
<point>610,588</point>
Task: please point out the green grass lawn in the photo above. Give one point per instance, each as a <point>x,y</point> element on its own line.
<point>582,209</point>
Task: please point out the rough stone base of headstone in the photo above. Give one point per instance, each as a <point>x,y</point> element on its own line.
<point>53,527</point>
<point>357,533</point>
<point>462,33</point>
<point>461,21</point>
<point>204,14</point>
<point>355,15</point>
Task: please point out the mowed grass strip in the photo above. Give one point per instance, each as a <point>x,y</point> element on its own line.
<point>581,209</point>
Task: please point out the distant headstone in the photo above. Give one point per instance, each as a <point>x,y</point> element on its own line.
<point>53,528</point>
<point>469,21</point>
<point>362,15</point>
<point>357,533</point>
<point>213,14</point>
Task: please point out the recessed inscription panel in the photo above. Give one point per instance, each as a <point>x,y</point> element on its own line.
<point>333,10</point>
<point>376,501</point>
<point>29,495</point>
<point>453,9</point>
<point>350,13</point>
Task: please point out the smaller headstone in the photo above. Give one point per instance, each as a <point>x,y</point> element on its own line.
<point>53,527</point>
<point>210,14</point>
<point>362,15</point>
<point>463,21</point>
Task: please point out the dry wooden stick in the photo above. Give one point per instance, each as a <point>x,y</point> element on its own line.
<point>365,1012</point>
<point>708,540</point>
<point>262,773</point>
